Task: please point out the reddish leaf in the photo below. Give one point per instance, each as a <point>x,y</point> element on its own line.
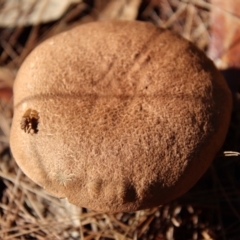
<point>6,83</point>
<point>224,46</point>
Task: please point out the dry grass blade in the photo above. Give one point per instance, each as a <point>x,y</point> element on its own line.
<point>184,17</point>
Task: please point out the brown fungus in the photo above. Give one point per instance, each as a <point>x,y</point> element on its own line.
<point>131,115</point>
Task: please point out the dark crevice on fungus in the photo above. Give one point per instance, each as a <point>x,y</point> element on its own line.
<point>29,122</point>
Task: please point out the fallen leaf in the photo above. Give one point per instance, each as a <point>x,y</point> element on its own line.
<point>31,12</point>
<point>6,82</point>
<point>224,48</point>
<point>120,9</point>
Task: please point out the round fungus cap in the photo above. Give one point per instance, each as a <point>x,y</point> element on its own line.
<point>118,116</point>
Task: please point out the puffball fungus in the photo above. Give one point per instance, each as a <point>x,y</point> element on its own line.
<point>118,116</point>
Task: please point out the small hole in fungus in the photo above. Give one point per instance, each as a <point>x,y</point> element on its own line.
<point>29,122</point>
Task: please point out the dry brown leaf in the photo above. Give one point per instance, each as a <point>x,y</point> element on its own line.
<point>6,82</point>
<point>224,48</point>
<point>31,12</point>
<point>120,9</point>
<point>6,77</point>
